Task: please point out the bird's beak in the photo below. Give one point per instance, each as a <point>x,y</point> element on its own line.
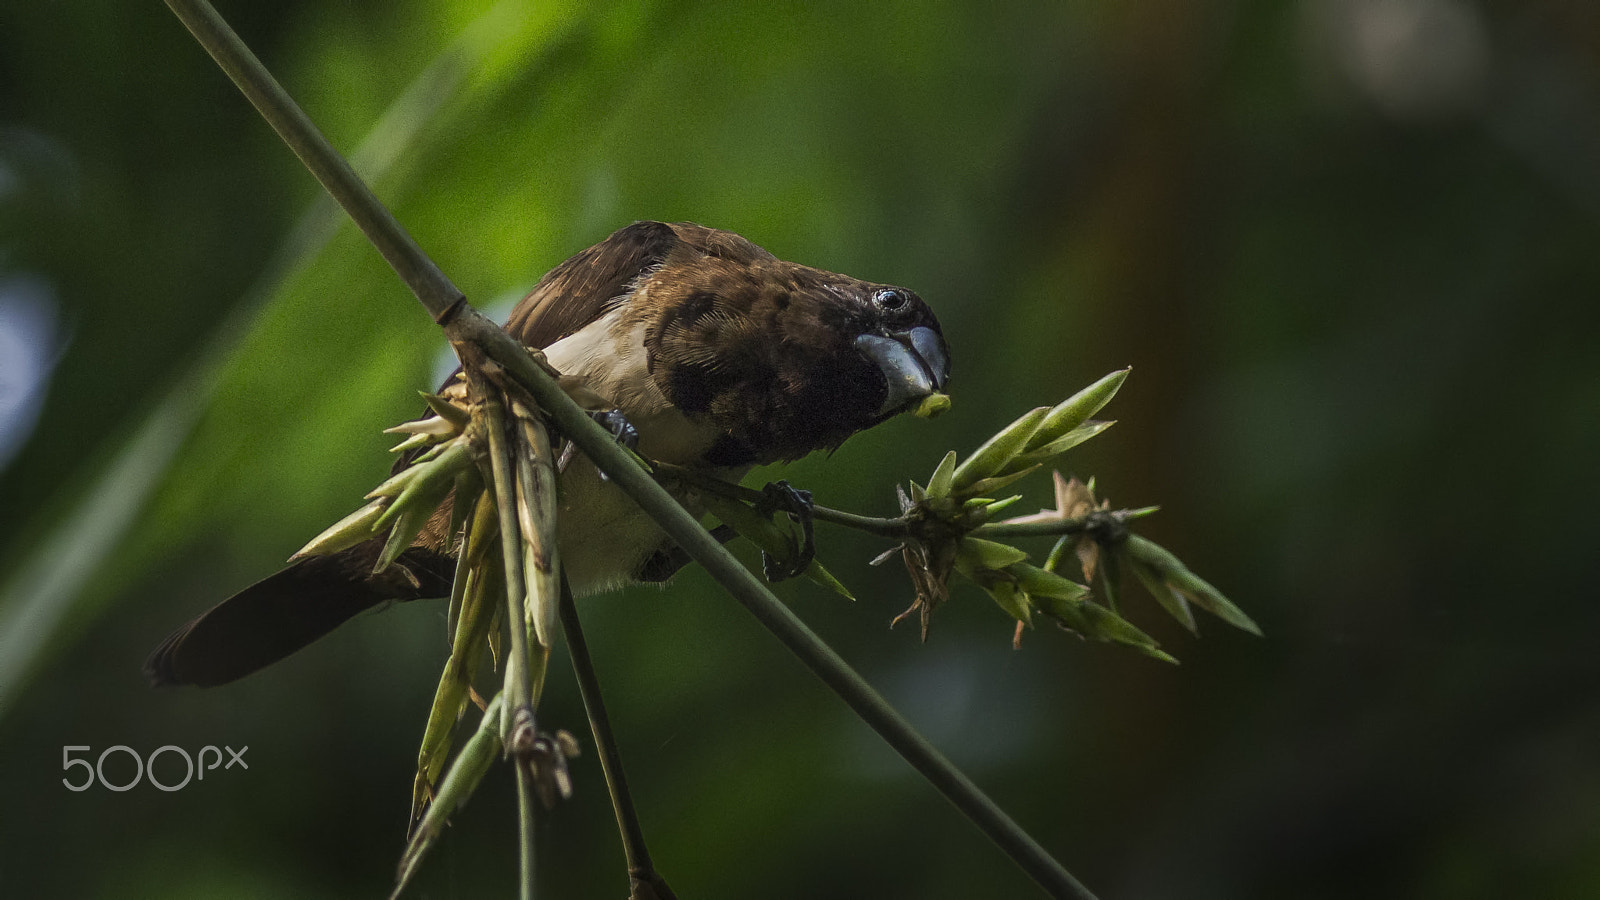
<point>915,364</point>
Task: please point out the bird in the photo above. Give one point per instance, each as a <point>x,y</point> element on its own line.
<point>716,354</point>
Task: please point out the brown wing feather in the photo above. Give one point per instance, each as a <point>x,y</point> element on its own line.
<point>583,288</point>
<point>587,286</point>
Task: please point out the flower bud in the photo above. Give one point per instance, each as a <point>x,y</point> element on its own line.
<point>988,459</point>
<point>1045,583</point>
<point>1075,410</point>
<point>1012,599</point>
<point>943,477</point>
<point>976,554</point>
<point>347,532</point>
<point>1169,570</point>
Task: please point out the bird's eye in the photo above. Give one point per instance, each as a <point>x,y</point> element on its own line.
<point>890,299</point>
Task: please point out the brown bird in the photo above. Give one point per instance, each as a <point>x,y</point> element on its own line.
<point>718,354</point>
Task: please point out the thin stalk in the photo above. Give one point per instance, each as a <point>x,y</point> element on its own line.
<point>460,781</point>
<point>1055,527</point>
<point>637,856</point>
<point>525,803</point>
<point>519,693</point>
<point>473,334</point>
<point>518,736</point>
<point>889,528</point>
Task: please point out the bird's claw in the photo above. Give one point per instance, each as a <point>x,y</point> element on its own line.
<point>612,420</point>
<point>783,497</point>
<point>622,431</point>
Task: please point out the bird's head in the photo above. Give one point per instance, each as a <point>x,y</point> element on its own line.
<point>785,358</point>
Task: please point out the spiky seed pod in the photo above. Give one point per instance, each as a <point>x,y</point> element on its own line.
<point>992,456</point>
<point>976,554</point>
<point>1170,600</point>
<point>1166,568</point>
<point>1105,625</point>
<point>434,479</point>
<point>345,533</point>
<point>943,477</point>
<point>1044,453</point>
<point>444,408</point>
<point>997,483</point>
<point>1013,599</point>
<point>450,697</point>
<point>459,783</point>
<point>1045,583</point>
<point>1075,410</point>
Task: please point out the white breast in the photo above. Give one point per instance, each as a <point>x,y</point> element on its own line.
<point>611,360</point>
<point>604,537</point>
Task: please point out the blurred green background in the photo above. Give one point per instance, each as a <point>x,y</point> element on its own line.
<point>1349,247</point>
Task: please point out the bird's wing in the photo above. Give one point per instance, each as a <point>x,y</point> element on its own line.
<point>582,289</point>
<point>587,286</point>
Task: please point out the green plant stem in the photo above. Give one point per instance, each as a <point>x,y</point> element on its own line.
<point>460,781</point>
<point>527,890</point>
<point>519,692</point>
<point>518,736</point>
<point>634,851</point>
<point>471,333</point>
<point>889,528</point>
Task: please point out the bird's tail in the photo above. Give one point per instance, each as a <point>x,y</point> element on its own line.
<point>282,613</point>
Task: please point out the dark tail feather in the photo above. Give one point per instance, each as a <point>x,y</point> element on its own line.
<point>282,613</point>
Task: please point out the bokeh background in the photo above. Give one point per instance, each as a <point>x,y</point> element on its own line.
<point>1348,246</point>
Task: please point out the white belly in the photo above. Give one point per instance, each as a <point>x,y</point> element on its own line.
<point>603,536</point>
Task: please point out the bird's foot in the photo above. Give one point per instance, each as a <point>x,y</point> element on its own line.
<point>783,497</point>
<point>613,421</point>
<point>622,431</point>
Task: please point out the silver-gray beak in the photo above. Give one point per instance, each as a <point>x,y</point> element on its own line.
<point>914,363</point>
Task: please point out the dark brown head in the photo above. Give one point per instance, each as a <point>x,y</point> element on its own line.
<point>782,358</point>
